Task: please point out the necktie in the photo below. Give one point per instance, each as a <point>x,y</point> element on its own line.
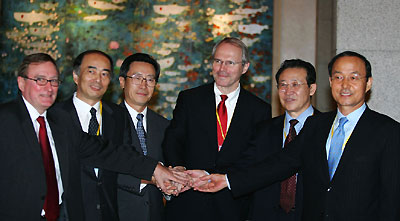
<point>222,119</point>
<point>335,152</point>
<point>288,186</point>
<point>51,207</point>
<point>93,124</point>
<point>141,133</point>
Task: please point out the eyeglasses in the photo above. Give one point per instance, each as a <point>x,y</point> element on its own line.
<point>294,85</point>
<point>354,78</point>
<point>138,79</point>
<point>44,81</point>
<point>226,63</point>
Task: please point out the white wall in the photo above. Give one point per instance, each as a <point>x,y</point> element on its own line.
<point>372,29</point>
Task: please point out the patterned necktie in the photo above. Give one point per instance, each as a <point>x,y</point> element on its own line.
<point>51,207</point>
<point>141,133</point>
<point>288,186</point>
<point>335,152</point>
<point>222,119</point>
<point>93,124</point>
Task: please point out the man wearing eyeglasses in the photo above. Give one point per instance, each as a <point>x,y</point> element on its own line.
<point>139,199</point>
<point>349,157</point>
<point>211,125</point>
<point>282,201</point>
<point>92,72</point>
<point>41,151</point>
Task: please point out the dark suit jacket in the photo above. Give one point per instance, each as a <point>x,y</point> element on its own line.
<point>23,180</point>
<point>266,201</point>
<point>191,141</point>
<point>145,205</point>
<point>100,193</point>
<point>366,185</point>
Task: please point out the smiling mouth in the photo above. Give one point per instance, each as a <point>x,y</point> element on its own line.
<point>96,87</point>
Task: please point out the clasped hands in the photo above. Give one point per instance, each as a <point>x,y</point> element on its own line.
<point>176,180</point>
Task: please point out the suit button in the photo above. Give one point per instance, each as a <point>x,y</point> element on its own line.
<point>329,189</point>
<point>99,183</point>
<point>98,206</point>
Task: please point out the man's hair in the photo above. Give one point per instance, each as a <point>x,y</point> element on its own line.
<point>351,54</point>
<point>236,42</point>
<point>141,57</point>
<point>34,58</point>
<point>298,63</point>
<point>79,58</point>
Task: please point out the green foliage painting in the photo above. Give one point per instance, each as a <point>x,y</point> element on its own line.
<point>180,34</point>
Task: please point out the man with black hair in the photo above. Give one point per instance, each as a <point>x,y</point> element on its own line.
<point>139,199</point>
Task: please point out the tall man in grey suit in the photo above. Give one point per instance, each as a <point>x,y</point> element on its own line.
<point>349,157</point>
<point>283,201</point>
<point>211,125</point>
<point>139,199</point>
<point>92,73</point>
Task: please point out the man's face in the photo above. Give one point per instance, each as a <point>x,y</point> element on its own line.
<point>40,97</point>
<point>295,100</point>
<point>138,95</point>
<point>94,78</point>
<point>349,84</point>
<point>227,77</point>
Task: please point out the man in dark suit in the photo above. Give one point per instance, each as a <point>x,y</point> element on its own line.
<point>296,85</point>
<point>41,180</point>
<point>210,126</point>
<point>138,199</point>
<point>92,72</point>
<point>356,177</point>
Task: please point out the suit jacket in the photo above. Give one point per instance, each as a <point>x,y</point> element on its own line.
<point>191,141</point>
<point>100,193</point>
<point>23,180</point>
<point>266,201</point>
<point>366,182</point>
<point>145,205</point>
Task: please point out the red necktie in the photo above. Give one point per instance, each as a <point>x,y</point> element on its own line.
<point>288,186</point>
<point>222,119</point>
<point>51,207</point>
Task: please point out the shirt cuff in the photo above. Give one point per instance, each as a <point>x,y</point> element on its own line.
<point>227,181</point>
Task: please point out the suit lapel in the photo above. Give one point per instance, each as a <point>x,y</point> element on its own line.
<point>60,139</point>
<point>70,108</point>
<point>29,131</point>
<point>321,136</point>
<point>239,115</point>
<point>151,132</point>
<point>108,122</point>
<point>135,138</point>
<point>208,110</point>
<point>353,146</point>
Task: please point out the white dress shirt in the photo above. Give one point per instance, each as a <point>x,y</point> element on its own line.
<point>133,113</point>
<point>34,114</point>
<point>84,115</point>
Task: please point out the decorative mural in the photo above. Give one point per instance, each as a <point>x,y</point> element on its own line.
<point>180,34</point>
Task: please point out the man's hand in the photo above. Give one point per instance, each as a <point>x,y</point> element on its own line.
<point>214,183</point>
<point>195,177</point>
<point>165,179</point>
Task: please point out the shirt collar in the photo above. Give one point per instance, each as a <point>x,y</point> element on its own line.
<point>33,113</point>
<point>231,96</point>
<point>301,118</point>
<point>133,112</point>
<point>83,106</point>
<point>354,116</point>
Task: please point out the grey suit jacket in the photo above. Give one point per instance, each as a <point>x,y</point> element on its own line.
<point>147,204</point>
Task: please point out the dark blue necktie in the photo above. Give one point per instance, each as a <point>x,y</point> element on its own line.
<point>93,124</point>
<point>335,152</point>
<point>141,133</point>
